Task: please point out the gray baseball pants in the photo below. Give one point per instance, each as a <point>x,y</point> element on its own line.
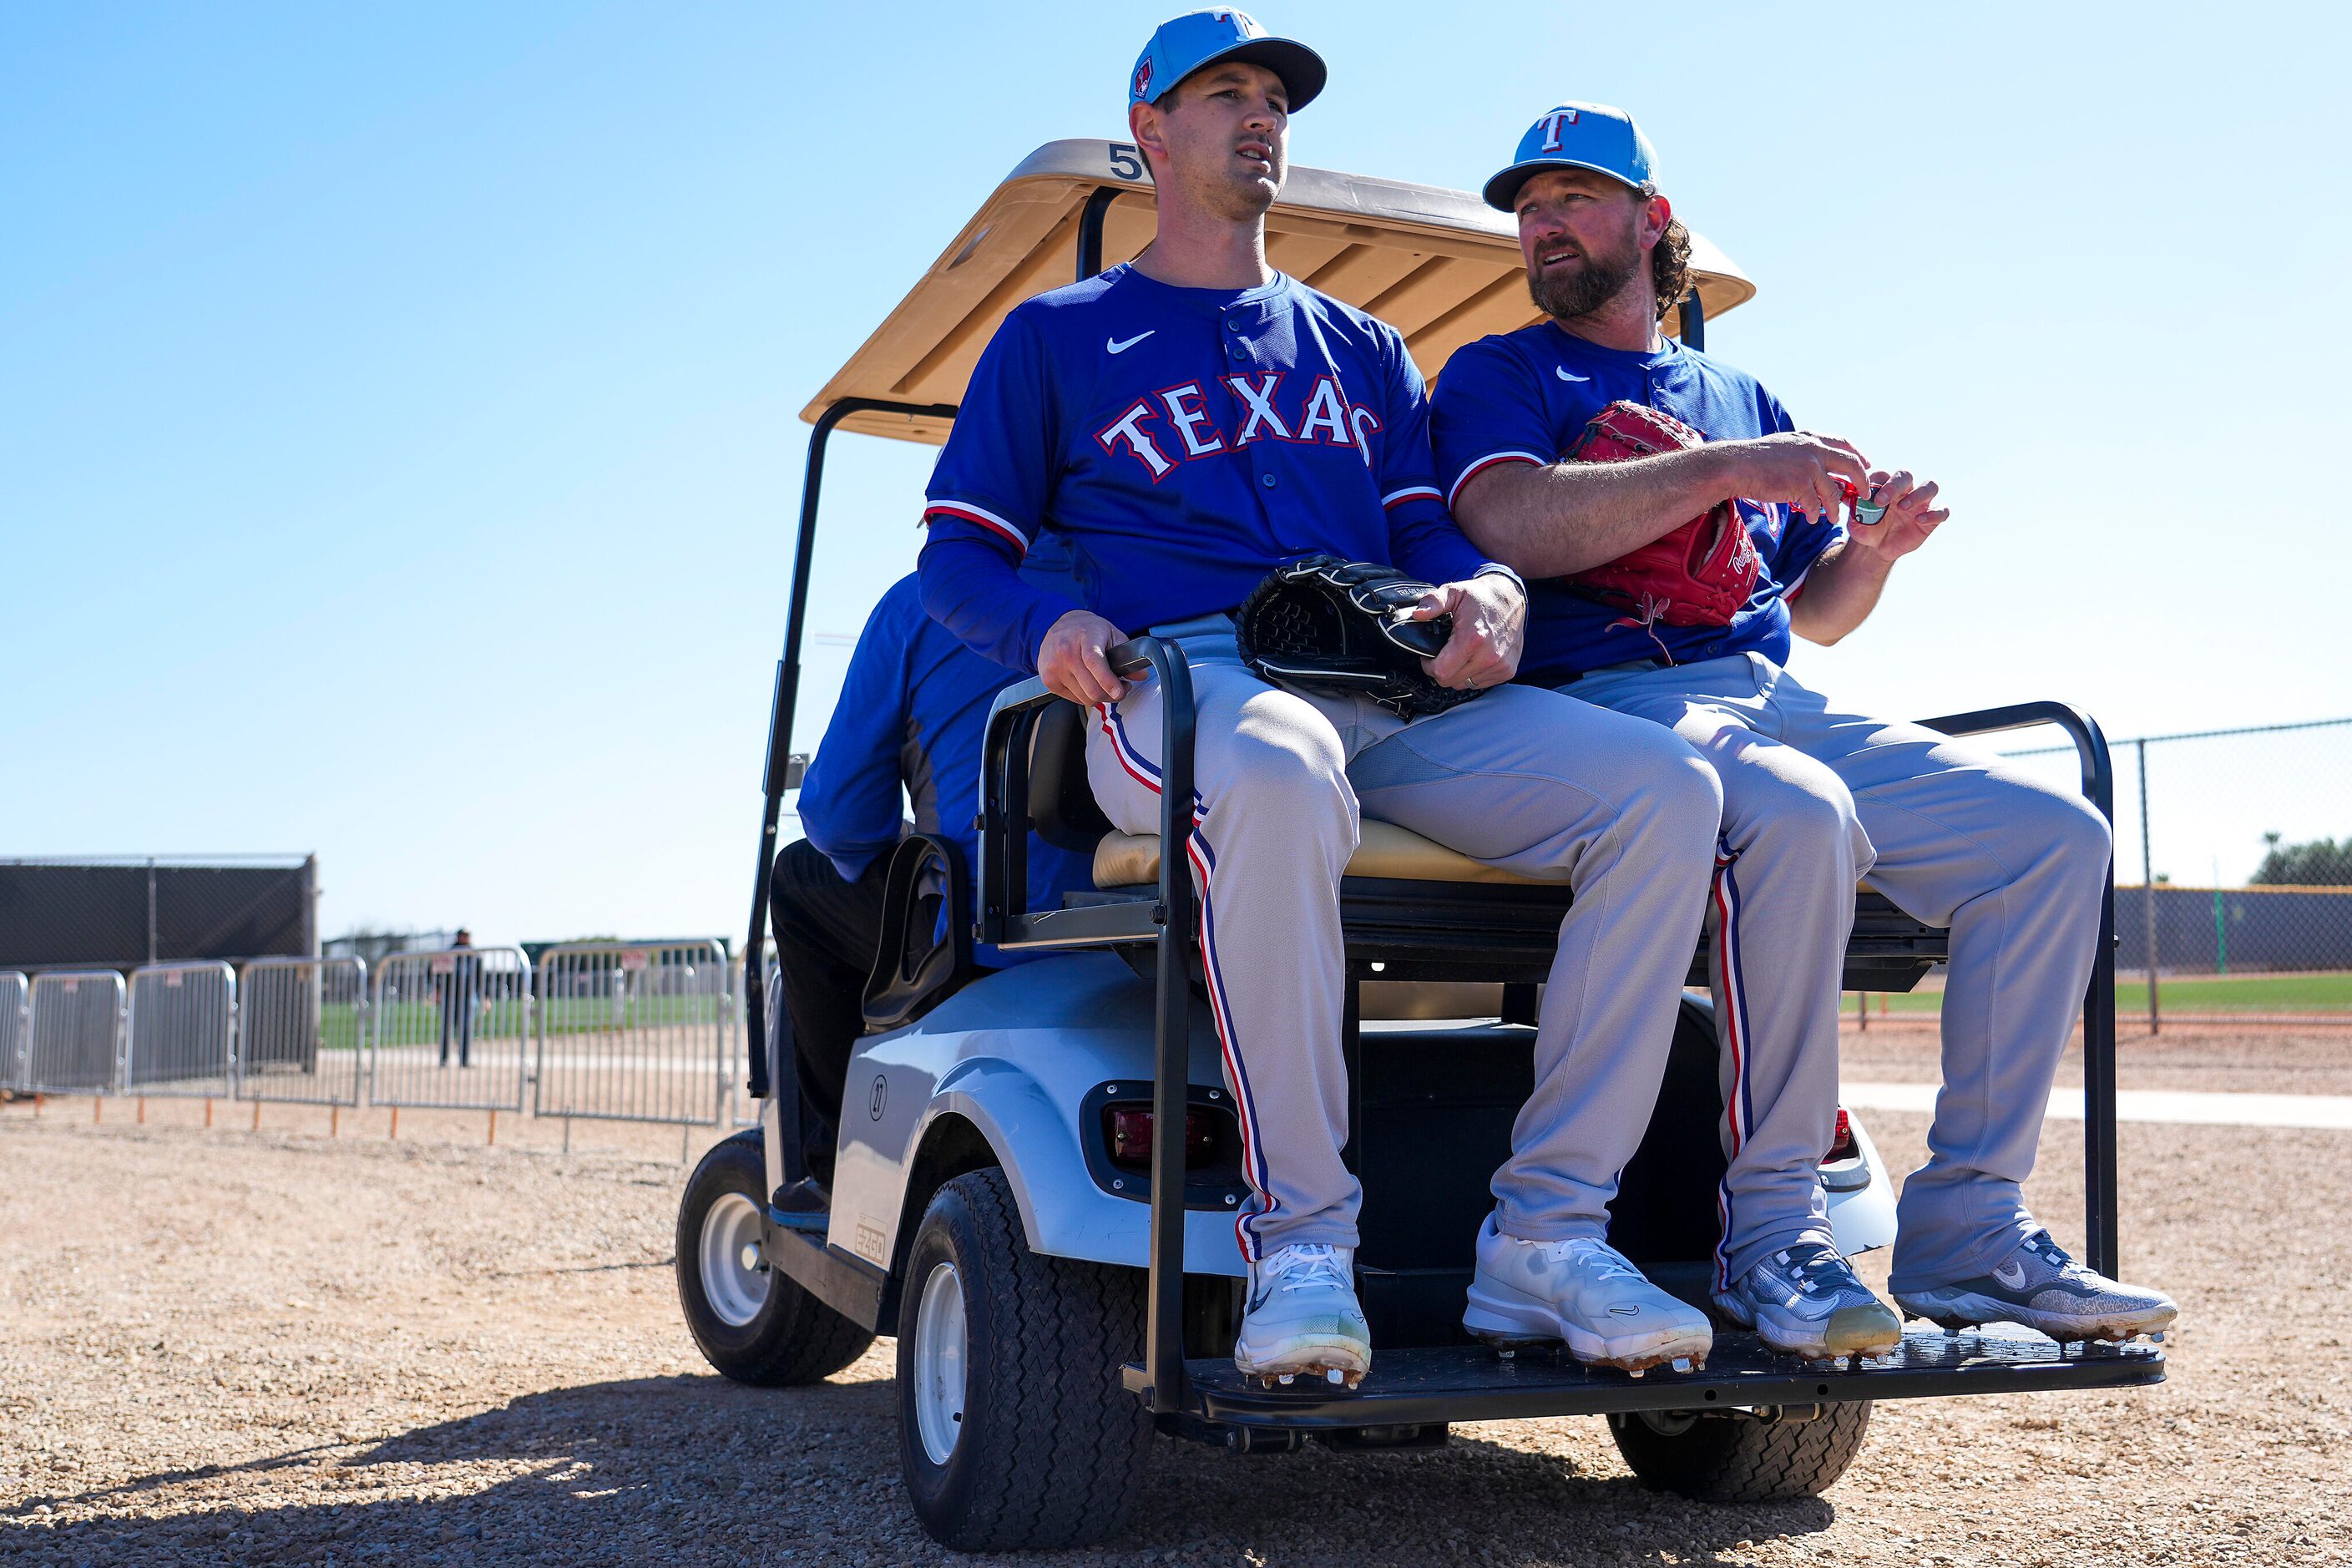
<point>1814,801</point>
<point>1521,778</point>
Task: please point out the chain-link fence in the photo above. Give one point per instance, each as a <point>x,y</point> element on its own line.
<point>183,1030</point>
<point>633,1032</point>
<point>301,1023</point>
<point>2234,865</point>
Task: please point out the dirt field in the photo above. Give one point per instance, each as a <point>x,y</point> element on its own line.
<point>220,1346</point>
<point>2315,1060</point>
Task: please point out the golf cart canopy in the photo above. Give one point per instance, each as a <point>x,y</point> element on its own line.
<point>1439,265</point>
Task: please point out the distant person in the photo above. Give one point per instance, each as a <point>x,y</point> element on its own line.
<point>456,993</point>
<point>1815,795</point>
<point>911,718</point>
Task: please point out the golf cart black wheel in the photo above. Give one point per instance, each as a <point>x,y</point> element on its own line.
<point>751,1322</point>
<point>1739,1459</point>
<point>1014,1430</point>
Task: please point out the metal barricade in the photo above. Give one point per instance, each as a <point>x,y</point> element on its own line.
<point>450,1030</point>
<point>182,1038</point>
<point>15,1028</point>
<point>301,1023</point>
<point>633,1032</point>
<point>75,1042</point>
<point>742,1110</point>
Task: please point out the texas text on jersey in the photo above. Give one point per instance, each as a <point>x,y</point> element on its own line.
<point>1185,441</point>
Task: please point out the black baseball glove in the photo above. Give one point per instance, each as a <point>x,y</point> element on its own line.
<point>1347,627</point>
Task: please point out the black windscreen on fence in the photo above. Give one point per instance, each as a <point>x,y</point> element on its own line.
<point>115,914</point>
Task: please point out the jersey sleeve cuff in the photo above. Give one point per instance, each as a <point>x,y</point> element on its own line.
<point>969,512</point>
<point>1496,568</point>
<point>1491,460</point>
<point>1410,492</point>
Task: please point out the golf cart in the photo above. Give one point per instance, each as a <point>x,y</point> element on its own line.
<point>1037,1169</point>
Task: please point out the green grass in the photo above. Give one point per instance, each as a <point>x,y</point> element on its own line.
<point>2201,993</point>
<point>589,1014</point>
<point>419,1023</point>
<point>339,1028</point>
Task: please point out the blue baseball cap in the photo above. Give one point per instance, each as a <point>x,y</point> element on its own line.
<point>1577,136</point>
<point>1186,42</point>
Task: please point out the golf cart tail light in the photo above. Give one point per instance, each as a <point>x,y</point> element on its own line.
<point>1842,1147</point>
<point>1130,1136</point>
<point>1200,1138</point>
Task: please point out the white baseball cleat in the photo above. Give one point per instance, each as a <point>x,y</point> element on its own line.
<point>1584,1292</point>
<point>1302,1319</point>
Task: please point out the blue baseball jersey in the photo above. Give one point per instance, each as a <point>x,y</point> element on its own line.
<point>1184,442</point>
<point>1525,396</point>
<point>914,713</point>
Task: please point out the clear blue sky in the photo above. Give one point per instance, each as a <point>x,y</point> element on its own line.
<point>398,404</point>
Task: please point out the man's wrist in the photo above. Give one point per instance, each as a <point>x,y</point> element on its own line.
<point>1724,466</point>
<point>1870,558</point>
<point>1496,568</point>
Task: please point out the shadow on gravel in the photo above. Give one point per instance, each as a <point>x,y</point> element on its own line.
<point>699,1470</point>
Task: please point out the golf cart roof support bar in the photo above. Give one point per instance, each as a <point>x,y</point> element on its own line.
<point>780,714</point>
<point>2100,1206</point>
<point>1694,333</point>
<point>1090,227</point>
<point>1163,1343</point>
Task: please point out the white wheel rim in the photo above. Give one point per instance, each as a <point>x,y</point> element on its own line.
<point>735,1288</point>
<point>939,1363</point>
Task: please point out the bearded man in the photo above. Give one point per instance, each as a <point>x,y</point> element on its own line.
<point>1815,795</point>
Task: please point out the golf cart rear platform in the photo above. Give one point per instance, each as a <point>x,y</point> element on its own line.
<point>1466,1382</point>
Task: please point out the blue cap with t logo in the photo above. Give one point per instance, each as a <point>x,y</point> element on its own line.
<point>1577,136</point>
<point>1185,44</point>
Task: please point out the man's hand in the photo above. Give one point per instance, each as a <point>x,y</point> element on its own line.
<point>1796,467</point>
<point>1490,616</point>
<point>1912,515</point>
<point>1072,659</point>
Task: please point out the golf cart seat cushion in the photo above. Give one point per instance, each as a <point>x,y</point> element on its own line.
<point>1384,850</point>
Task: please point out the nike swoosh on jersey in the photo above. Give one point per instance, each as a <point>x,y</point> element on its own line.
<point>1111,345</point>
<point>1561,370</point>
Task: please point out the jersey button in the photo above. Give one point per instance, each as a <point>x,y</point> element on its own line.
<point>1268,480</point>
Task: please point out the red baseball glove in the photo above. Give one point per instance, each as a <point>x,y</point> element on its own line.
<point>1698,574</point>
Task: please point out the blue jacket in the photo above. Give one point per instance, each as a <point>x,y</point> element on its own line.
<point>913,715</point>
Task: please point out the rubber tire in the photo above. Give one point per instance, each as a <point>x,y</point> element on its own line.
<point>1730,1459</point>
<point>1053,1451</point>
<point>795,1337</point>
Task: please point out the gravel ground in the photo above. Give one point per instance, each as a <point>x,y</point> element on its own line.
<point>220,1346</point>
<point>2244,1059</point>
